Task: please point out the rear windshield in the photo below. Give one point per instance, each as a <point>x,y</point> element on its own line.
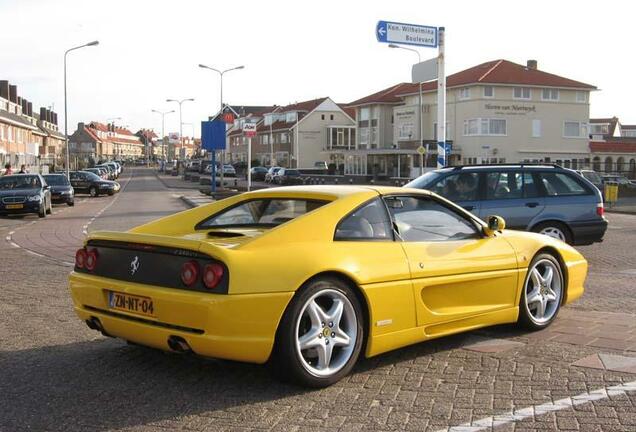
<point>267,212</point>
<point>56,180</point>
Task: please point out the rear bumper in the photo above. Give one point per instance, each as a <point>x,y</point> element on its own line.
<point>588,232</point>
<point>233,327</point>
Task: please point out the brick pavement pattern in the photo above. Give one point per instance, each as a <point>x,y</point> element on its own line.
<point>56,374</point>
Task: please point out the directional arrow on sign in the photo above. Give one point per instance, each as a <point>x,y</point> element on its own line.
<point>381,31</point>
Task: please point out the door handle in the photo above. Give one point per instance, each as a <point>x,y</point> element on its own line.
<point>469,207</point>
<point>532,204</point>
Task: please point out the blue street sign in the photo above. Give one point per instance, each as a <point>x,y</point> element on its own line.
<point>213,135</point>
<point>406,34</point>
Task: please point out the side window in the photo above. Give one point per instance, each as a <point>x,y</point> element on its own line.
<point>370,222</point>
<point>458,187</point>
<point>510,185</point>
<point>560,184</point>
<point>426,220</point>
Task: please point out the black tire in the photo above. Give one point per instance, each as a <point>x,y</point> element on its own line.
<point>526,318</point>
<point>49,210</point>
<point>111,193</point>
<point>42,211</point>
<point>287,360</point>
<point>70,203</point>
<point>555,227</point>
<point>92,191</point>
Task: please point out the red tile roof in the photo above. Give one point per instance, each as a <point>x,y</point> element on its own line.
<point>308,106</point>
<point>351,111</point>
<point>387,95</point>
<point>501,72</point>
<point>623,146</point>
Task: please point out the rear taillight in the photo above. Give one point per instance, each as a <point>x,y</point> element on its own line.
<point>91,260</point>
<point>189,273</point>
<point>600,210</point>
<point>212,275</point>
<point>80,258</point>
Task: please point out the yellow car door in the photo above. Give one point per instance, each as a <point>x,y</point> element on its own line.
<point>457,272</point>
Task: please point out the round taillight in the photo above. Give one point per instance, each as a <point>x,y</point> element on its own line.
<point>189,273</point>
<point>80,258</point>
<point>91,260</point>
<point>212,274</point>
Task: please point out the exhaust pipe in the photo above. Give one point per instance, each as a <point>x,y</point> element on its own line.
<point>178,344</point>
<point>94,323</point>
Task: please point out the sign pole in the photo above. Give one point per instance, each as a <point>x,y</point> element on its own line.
<point>249,163</point>
<point>213,161</point>
<point>441,102</point>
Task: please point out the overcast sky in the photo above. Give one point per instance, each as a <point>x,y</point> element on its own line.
<point>292,51</point>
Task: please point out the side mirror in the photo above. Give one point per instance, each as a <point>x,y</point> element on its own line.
<point>494,224</point>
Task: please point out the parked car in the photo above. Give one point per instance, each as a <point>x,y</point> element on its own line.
<point>24,193</point>
<point>61,190</point>
<point>593,177</point>
<point>228,170</point>
<point>547,199</point>
<point>320,165</point>
<point>88,182</point>
<point>271,173</point>
<point>347,282</point>
<point>618,178</point>
<point>112,174</point>
<point>258,173</point>
<point>101,172</point>
<point>286,176</point>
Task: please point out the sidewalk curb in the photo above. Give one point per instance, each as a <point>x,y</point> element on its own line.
<point>173,187</point>
<point>188,201</point>
<point>627,212</point>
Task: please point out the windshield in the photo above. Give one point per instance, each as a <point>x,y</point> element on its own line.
<point>268,212</point>
<point>423,181</point>
<point>19,182</point>
<point>56,180</point>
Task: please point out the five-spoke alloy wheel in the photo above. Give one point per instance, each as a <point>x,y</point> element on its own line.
<point>321,334</point>
<point>542,292</point>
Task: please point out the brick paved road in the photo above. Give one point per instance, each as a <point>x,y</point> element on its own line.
<point>55,374</point>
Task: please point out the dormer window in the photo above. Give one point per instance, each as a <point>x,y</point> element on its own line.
<point>291,117</point>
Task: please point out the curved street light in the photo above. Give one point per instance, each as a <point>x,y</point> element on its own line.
<point>163,133</point>
<point>180,102</point>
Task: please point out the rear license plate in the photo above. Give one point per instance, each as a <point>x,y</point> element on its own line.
<point>131,303</point>
<point>14,206</point>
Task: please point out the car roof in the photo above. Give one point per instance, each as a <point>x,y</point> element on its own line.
<point>336,191</point>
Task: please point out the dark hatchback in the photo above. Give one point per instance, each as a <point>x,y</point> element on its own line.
<point>90,183</point>
<point>286,176</point>
<point>547,199</point>
<point>61,190</point>
<point>24,193</point>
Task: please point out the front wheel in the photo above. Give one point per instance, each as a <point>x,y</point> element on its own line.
<point>42,211</point>
<point>93,191</point>
<point>49,210</point>
<point>542,293</point>
<point>70,203</point>
<point>320,336</point>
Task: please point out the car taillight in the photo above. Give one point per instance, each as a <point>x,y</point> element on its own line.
<point>600,210</point>
<point>189,272</point>
<point>91,260</point>
<point>80,258</point>
<point>212,275</point>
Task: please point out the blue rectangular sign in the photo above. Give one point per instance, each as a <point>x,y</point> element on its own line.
<point>213,135</point>
<point>406,34</point>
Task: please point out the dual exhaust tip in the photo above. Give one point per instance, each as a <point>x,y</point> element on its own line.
<point>176,343</point>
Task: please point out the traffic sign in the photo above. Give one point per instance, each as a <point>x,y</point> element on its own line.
<point>407,34</point>
<point>421,150</point>
<point>249,130</point>
<point>213,135</point>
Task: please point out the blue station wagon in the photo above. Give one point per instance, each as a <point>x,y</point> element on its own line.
<point>547,199</point>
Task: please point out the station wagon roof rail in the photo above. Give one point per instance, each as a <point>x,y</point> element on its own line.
<point>521,165</point>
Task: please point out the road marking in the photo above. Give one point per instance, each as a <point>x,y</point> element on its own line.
<point>488,423</point>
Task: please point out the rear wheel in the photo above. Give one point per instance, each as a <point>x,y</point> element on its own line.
<point>320,336</point>
<point>554,229</point>
<point>542,292</point>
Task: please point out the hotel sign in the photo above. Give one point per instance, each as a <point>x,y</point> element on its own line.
<point>511,109</point>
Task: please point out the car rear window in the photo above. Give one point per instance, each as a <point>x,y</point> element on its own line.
<point>560,184</point>
<point>267,212</point>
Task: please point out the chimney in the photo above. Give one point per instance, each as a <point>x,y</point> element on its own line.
<point>80,126</point>
<point>532,64</point>
<point>30,109</point>
<point>23,104</point>
<point>49,117</point>
<point>4,89</point>
<point>42,113</point>
<point>13,93</point>
<point>54,118</point>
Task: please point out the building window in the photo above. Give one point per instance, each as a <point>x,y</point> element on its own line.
<point>599,129</point>
<point>536,128</point>
<point>521,93</point>
<point>489,92</point>
<point>291,117</point>
<point>406,131</point>
<point>331,117</point>
<point>283,138</point>
<point>322,117</point>
<point>581,96</point>
<point>548,94</point>
<point>485,127</point>
<point>629,133</point>
<point>464,93</point>
<point>573,129</point>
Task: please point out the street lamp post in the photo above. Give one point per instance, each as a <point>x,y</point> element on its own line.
<point>221,73</point>
<point>420,117</point>
<point>180,102</point>
<point>66,104</point>
<point>163,132</point>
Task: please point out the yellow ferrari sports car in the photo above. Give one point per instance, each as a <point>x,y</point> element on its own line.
<point>311,277</point>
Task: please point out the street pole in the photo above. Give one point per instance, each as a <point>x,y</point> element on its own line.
<point>222,163</point>
<point>163,130</point>
<point>180,102</point>
<point>441,102</point>
<point>68,161</point>
<point>249,163</point>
